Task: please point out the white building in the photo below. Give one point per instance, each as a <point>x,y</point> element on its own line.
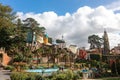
<point>73,48</point>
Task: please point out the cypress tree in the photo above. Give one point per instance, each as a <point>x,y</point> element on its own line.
<point>106,49</point>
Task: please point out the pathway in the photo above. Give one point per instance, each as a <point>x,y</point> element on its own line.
<point>4,75</point>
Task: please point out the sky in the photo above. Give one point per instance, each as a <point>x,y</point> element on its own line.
<point>74,19</point>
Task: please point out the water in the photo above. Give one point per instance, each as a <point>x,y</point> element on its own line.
<point>43,70</point>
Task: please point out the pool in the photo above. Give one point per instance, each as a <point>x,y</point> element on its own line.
<point>50,70</point>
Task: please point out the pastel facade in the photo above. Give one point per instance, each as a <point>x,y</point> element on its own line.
<point>73,48</point>
<point>4,58</point>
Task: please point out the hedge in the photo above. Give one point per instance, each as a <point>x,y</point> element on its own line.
<point>67,75</point>
<point>95,57</point>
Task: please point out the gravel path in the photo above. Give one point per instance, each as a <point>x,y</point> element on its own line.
<point>4,75</point>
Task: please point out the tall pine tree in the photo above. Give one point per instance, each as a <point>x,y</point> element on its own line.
<point>7,25</point>
<point>106,49</point>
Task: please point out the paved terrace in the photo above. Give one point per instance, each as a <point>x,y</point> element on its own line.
<point>4,75</point>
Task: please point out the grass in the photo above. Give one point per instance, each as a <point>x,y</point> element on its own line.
<point>112,78</point>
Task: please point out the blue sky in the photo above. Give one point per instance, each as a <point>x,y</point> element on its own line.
<point>58,6</point>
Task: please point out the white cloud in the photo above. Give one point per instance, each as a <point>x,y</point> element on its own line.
<point>114,6</point>
<point>114,39</point>
<point>78,26</point>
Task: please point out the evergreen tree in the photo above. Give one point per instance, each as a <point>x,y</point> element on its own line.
<point>106,44</point>
<point>33,29</point>
<point>7,26</point>
<point>95,42</point>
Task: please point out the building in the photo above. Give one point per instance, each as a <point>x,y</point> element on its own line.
<point>82,54</point>
<point>73,48</point>
<point>116,50</point>
<point>4,58</point>
<point>61,43</point>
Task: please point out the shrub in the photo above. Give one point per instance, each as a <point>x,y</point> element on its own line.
<point>112,79</point>
<point>39,77</point>
<point>25,76</point>
<point>95,57</point>
<point>79,73</point>
<point>104,58</point>
<point>76,76</point>
<point>31,76</point>
<point>76,65</point>
<point>106,74</point>
<point>11,68</point>
<point>69,75</point>
<point>118,66</point>
<point>18,76</point>
<point>113,68</point>
<point>78,60</point>
<point>60,77</point>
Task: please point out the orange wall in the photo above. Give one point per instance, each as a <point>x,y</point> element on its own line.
<point>6,59</point>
